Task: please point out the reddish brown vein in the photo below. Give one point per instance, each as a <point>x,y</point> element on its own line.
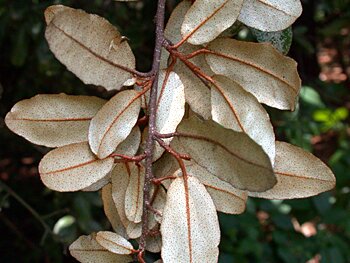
<point>73,167</point>
<point>114,243</point>
<point>230,105</point>
<point>132,71</point>
<point>117,117</point>
<point>51,120</point>
<point>302,177</point>
<point>203,138</point>
<point>188,218</point>
<point>201,24</point>
<point>253,66</point>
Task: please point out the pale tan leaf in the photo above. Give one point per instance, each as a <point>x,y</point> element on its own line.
<point>197,94</point>
<point>154,243</point>
<point>299,174</point>
<point>231,156</point>
<point>90,47</point>
<point>134,192</point>
<point>226,198</point>
<point>170,106</point>
<point>114,243</point>
<point>270,15</point>
<point>73,167</point>
<point>206,19</point>
<point>120,180</point>
<point>259,68</point>
<point>131,144</point>
<point>172,30</point>
<point>236,109</point>
<point>166,166</point>
<point>190,227</point>
<point>111,211</point>
<point>53,10</point>
<point>134,230</point>
<point>98,185</point>
<point>54,120</point>
<point>86,250</point>
<point>158,205</point>
<point>113,122</point>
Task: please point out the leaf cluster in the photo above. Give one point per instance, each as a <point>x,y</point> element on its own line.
<point>179,143</point>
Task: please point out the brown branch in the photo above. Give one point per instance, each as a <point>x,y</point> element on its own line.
<point>152,108</point>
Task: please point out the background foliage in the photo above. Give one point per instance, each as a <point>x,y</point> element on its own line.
<point>310,230</point>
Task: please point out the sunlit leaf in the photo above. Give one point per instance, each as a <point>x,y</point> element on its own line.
<point>236,109</point>
<point>299,174</point>
<point>270,15</point>
<point>231,156</point>
<point>114,243</point>
<point>90,47</point>
<point>86,250</point>
<point>54,120</point>
<point>197,94</point>
<point>259,68</point>
<point>190,228</point>
<point>170,106</point>
<point>206,19</point>
<point>131,144</point>
<point>73,167</point>
<point>113,122</point>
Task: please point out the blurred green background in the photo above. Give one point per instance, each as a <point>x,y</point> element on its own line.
<point>37,225</point>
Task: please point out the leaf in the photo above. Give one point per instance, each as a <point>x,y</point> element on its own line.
<point>90,47</point>
<point>86,250</point>
<point>113,122</point>
<point>270,15</point>
<point>73,167</point>
<point>259,68</point>
<point>120,180</point>
<point>170,106</point>
<point>226,198</point>
<point>53,120</point>
<point>154,243</point>
<point>197,94</point>
<point>236,109</point>
<point>190,227</point>
<point>53,10</point>
<point>134,230</point>
<point>299,174</point>
<point>281,40</point>
<point>111,211</point>
<point>98,185</point>
<point>114,243</point>
<point>158,204</point>
<point>134,193</point>
<point>131,144</point>
<point>127,147</point>
<point>206,19</point>
<point>231,156</point>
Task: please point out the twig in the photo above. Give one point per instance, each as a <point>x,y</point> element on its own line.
<point>152,123</point>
